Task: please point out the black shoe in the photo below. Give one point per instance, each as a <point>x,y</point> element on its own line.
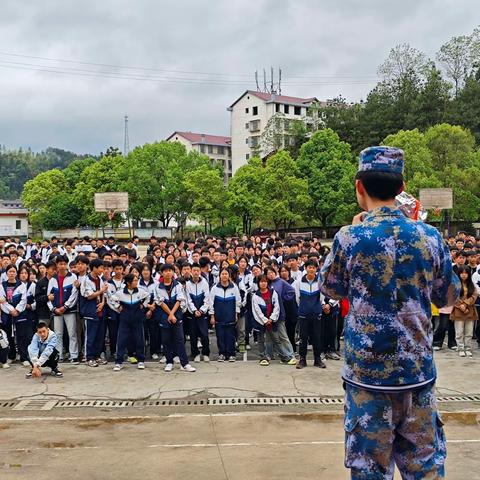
<point>29,374</point>
<point>57,373</point>
<point>319,363</point>
<point>302,363</point>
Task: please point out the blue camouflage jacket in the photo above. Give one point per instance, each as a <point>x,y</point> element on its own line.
<point>391,269</point>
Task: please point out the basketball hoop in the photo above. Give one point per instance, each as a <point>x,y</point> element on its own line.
<point>111,214</point>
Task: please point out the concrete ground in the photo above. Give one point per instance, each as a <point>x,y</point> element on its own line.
<point>231,442</point>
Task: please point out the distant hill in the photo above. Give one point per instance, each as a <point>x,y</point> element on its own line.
<point>19,166</point>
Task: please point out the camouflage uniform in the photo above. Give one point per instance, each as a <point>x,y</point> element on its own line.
<point>391,269</point>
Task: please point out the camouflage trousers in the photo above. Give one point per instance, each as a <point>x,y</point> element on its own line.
<point>384,429</point>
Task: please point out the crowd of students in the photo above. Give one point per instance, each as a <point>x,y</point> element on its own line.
<point>93,301</point>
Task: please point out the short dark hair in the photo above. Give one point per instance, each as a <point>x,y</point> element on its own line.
<point>167,266</point>
<point>381,185</point>
<point>196,265</point>
<point>50,264</point>
<point>41,324</point>
<point>95,263</point>
<point>61,258</point>
<point>83,259</point>
<point>129,278</point>
<point>311,262</point>
<point>117,263</point>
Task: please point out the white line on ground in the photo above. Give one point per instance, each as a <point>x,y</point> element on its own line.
<point>207,445</point>
<point>328,413</point>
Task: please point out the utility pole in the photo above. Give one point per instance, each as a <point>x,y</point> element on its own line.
<point>256,80</point>
<point>265,81</point>
<point>279,81</point>
<point>126,142</point>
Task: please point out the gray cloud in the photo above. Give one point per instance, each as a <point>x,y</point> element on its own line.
<point>84,113</point>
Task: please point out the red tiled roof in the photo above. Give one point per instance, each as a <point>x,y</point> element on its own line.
<point>204,138</point>
<point>271,97</point>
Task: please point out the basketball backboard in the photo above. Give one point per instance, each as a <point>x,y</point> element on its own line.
<point>111,201</point>
<point>436,198</point>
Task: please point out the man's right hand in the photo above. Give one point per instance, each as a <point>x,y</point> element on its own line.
<point>36,372</point>
<point>51,297</point>
<point>358,219</point>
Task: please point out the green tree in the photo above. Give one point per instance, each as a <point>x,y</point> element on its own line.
<point>75,169</point>
<point>39,191</point>
<point>456,60</point>
<point>62,212</point>
<point>101,176</point>
<point>449,145</point>
<point>244,193</point>
<point>153,176</point>
<point>432,102</point>
<point>465,108</point>
<point>205,185</point>
<point>285,195</point>
<point>401,61</point>
<point>326,162</point>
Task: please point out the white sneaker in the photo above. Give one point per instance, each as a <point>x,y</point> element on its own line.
<point>155,356</point>
<point>163,359</point>
<point>188,368</point>
<point>117,367</point>
<point>468,353</point>
<point>206,358</point>
<point>221,358</point>
<point>26,364</point>
<point>436,349</point>
<point>9,361</point>
<point>461,353</point>
<point>168,367</point>
<point>6,365</point>
<point>232,359</point>
<point>248,347</point>
<point>197,359</point>
<point>141,366</point>
<point>176,360</point>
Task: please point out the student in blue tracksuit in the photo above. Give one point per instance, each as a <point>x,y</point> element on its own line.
<point>148,284</point>
<point>64,307</point>
<point>310,300</point>
<point>131,302</point>
<point>225,304</point>
<point>93,291</point>
<point>197,293</point>
<point>13,300</point>
<point>114,284</point>
<point>169,297</point>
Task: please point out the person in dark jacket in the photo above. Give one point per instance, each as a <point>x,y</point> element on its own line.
<point>132,303</point>
<point>41,296</point>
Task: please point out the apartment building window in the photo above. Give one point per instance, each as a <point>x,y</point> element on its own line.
<point>230,165</point>
<point>254,142</point>
<point>246,141</point>
<point>202,148</point>
<point>230,175</point>
<point>255,111</point>
<point>277,107</point>
<point>213,162</point>
<point>246,110</point>
<point>247,156</point>
<point>247,126</point>
<point>221,150</point>
<point>210,149</point>
<point>286,109</point>
<point>18,224</point>
<point>298,110</point>
<point>255,125</point>
<point>229,152</point>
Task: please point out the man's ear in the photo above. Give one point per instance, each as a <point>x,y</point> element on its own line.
<point>402,188</point>
<point>359,187</point>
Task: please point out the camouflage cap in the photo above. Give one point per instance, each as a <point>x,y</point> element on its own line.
<point>381,159</point>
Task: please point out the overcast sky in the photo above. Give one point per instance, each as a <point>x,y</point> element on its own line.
<point>324,47</point>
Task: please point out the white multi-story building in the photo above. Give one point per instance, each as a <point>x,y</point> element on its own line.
<point>250,114</point>
<point>218,148</point>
